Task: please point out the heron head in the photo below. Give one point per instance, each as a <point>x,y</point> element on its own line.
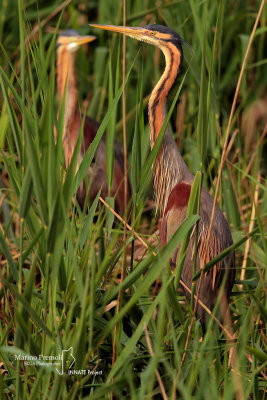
<point>157,35</point>
<point>72,40</point>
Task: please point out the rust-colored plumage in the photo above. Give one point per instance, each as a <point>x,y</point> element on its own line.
<point>67,45</point>
<point>173,180</point>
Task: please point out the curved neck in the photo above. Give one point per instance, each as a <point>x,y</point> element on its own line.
<point>158,98</point>
<point>169,168</point>
<point>66,76</point>
<point>66,80</point>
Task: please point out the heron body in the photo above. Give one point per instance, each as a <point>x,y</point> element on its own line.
<point>173,180</point>
<point>67,45</point>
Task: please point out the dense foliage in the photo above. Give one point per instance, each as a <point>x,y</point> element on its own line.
<point>61,266</point>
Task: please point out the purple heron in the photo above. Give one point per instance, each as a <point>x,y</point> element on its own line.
<point>173,180</point>
<point>67,45</point>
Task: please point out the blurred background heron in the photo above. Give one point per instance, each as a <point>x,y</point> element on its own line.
<point>68,43</point>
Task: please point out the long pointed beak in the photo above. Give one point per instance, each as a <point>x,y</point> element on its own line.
<point>83,39</point>
<point>127,30</point>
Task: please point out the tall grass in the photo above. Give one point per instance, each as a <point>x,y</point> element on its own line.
<point>60,265</point>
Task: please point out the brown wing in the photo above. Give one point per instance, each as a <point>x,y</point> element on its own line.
<point>90,130</point>
<point>97,172</point>
<point>220,239</point>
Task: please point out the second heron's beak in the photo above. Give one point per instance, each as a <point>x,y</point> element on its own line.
<point>80,40</point>
<point>133,32</point>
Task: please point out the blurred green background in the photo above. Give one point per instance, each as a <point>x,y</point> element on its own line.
<point>60,265</point>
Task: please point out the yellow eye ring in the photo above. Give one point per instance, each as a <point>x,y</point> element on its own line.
<point>152,33</point>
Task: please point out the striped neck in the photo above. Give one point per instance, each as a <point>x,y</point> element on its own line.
<point>158,98</point>
<point>66,77</point>
<point>169,167</point>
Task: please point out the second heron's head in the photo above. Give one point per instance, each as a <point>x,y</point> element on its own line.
<point>71,40</point>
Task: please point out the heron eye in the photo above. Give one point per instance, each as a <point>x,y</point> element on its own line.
<point>152,33</point>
